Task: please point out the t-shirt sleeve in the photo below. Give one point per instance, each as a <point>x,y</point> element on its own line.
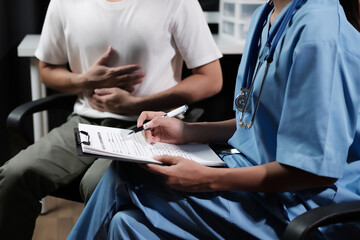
<point>192,35</point>
<point>320,110</point>
<point>51,48</point>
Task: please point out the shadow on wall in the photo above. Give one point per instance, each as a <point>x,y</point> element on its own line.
<point>209,5</point>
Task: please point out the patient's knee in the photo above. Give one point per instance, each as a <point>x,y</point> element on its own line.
<point>92,177</point>
<point>17,173</point>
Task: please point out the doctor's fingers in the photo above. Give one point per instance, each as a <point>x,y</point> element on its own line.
<point>147,115</point>
<point>165,169</point>
<point>151,136</point>
<point>160,121</point>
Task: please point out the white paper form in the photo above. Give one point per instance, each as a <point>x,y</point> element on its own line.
<point>115,142</point>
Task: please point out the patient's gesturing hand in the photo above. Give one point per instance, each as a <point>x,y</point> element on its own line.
<point>102,76</point>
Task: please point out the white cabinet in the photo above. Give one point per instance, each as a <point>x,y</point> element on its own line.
<point>235,16</point>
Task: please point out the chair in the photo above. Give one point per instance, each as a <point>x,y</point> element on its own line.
<point>302,226</point>
<point>17,119</point>
<point>17,123</point>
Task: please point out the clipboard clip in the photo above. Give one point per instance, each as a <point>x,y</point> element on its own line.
<point>78,137</point>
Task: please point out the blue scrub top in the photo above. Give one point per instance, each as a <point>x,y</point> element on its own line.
<point>309,108</point>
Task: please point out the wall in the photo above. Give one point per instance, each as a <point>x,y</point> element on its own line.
<point>17,18</point>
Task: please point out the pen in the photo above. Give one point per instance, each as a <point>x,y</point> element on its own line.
<point>172,113</point>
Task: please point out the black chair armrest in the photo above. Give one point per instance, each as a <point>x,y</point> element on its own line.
<point>303,225</point>
<point>15,121</point>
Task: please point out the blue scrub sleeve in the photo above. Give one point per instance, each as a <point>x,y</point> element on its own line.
<point>318,119</point>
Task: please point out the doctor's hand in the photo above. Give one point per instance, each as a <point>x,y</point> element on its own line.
<point>113,100</point>
<point>183,174</point>
<point>101,76</point>
<point>162,129</point>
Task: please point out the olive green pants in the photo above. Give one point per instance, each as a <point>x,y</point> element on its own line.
<point>42,168</point>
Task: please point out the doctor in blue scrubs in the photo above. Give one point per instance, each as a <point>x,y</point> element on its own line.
<point>297,129</point>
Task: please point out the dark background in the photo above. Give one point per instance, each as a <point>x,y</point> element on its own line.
<point>21,17</point>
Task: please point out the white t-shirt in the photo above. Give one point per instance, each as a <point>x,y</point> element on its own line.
<point>157,34</point>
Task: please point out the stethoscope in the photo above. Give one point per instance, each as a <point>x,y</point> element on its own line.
<point>242,102</point>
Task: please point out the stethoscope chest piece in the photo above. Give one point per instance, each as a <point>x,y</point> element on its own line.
<point>241,101</point>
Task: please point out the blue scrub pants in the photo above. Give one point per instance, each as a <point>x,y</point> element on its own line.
<point>131,203</point>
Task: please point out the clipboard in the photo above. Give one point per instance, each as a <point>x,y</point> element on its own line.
<point>78,141</point>
<point>100,142</point>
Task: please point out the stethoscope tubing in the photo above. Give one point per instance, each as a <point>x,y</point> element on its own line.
<point>255,58</point>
